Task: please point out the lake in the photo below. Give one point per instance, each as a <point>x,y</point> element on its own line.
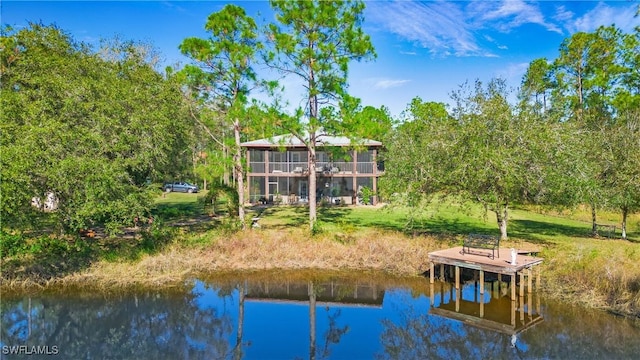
<point>289,315</point>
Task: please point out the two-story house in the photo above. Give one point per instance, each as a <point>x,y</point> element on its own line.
<point>279,170</point>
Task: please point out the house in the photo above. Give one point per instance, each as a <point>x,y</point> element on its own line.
<point>279,169</point>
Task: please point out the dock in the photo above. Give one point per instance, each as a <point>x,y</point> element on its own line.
<point>502,264</point>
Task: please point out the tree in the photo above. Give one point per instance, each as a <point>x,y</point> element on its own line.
<point>628,93</point>
<point>224,76</point>
<point>497,156</point>
<point>418,152</point>
<point>623,178</point>
<point>536,83</point>
<point>369,123</point>
<point>625,134</point>
<point>484,151</point>
<point>314,41</point>
<point>90,129</point>
<point>587,72</point>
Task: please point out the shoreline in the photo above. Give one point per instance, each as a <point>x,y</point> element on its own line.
<point>251,251</point>
<point>292,250</point>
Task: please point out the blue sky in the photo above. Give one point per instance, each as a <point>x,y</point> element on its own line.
<point>425,49</point>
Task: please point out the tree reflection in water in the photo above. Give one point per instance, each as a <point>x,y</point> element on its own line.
<point>150,325</point>
<point>277,318</point>
<point>566,333</point>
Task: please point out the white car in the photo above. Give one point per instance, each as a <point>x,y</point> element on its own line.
<point>180,186</point>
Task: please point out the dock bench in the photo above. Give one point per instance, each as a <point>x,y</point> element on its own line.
<point>475,242</point>
<point>608,230</point>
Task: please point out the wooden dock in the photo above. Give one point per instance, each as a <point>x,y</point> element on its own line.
<point>501,264</point>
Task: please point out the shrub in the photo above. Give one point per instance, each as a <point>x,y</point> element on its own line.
<point>367,193</point>
<point>11,245</point>
<point>156,236</point>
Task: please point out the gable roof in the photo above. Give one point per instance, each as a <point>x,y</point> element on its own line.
<point>288,140</point>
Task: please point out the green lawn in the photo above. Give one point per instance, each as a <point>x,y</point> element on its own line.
<point>179,204</point>
<point>447,219</point>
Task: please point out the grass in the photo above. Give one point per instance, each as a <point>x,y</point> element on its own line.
<point>187,243</point>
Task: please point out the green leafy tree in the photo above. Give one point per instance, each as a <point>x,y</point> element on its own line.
<point>418,152</point>
<point>595,91</point>
<point>314,41</point>
<point>587,72</point>
<point>625,148</point>
<point>536,84</point>
<point>578,72</point>
<point>497,156</point>
<point>622,178</point>
<point>628,93</point>
<point>484,151</point>
<point>88,128</point>
<point>223,76</point>
<point>370,123</point>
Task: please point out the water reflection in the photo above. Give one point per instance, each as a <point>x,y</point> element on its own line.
<point>489,309</point>
<point>155,325</point>
<point>273,317</point>
<point>332,297</point>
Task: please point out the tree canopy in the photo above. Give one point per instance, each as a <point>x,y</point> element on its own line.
<point>91,128</point>
<point>572,138</point>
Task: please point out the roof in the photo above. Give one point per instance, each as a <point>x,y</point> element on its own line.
<point>289,140</point>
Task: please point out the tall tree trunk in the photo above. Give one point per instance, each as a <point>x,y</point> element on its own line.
<point>312,322</point>
<point>313,117</point>
<point>225,156</point>
<point>625,213</point>
<point>239,172</point>
<point>225,175</point>
<point>312,186</point>
<point>502,216</point>
<point>238,348</point>
<point>594,224</point>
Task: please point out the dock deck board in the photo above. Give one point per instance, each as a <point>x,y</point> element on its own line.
<point>501,264</point>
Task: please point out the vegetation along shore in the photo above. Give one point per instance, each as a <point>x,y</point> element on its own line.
<point>185,243</point>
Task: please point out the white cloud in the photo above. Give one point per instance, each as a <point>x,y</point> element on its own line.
<point>437,26</point>
<point>507,15</point>
<point>513,73</point>
<point>563,15</point>
<point>448,28</point>
<point>604,15</point>
<point>388,83</point>
<point>498,45</point>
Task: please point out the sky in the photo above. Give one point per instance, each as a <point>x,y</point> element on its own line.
<point>424,49</point>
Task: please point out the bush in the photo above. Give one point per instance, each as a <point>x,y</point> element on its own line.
<point>317,228</point>
<point>156,236</point>
<point>367,194</point>
<point>11,245</point>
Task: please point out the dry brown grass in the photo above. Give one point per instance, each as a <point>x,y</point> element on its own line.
<point>595,273</point>
<point>369,250</point>
<point>290,249</point>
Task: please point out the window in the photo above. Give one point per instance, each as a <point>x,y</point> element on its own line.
<point>277,156</point>
<point>256,155</point>
<point>365,156</point>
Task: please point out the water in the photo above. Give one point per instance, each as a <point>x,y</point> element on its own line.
<point>283,316</point>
